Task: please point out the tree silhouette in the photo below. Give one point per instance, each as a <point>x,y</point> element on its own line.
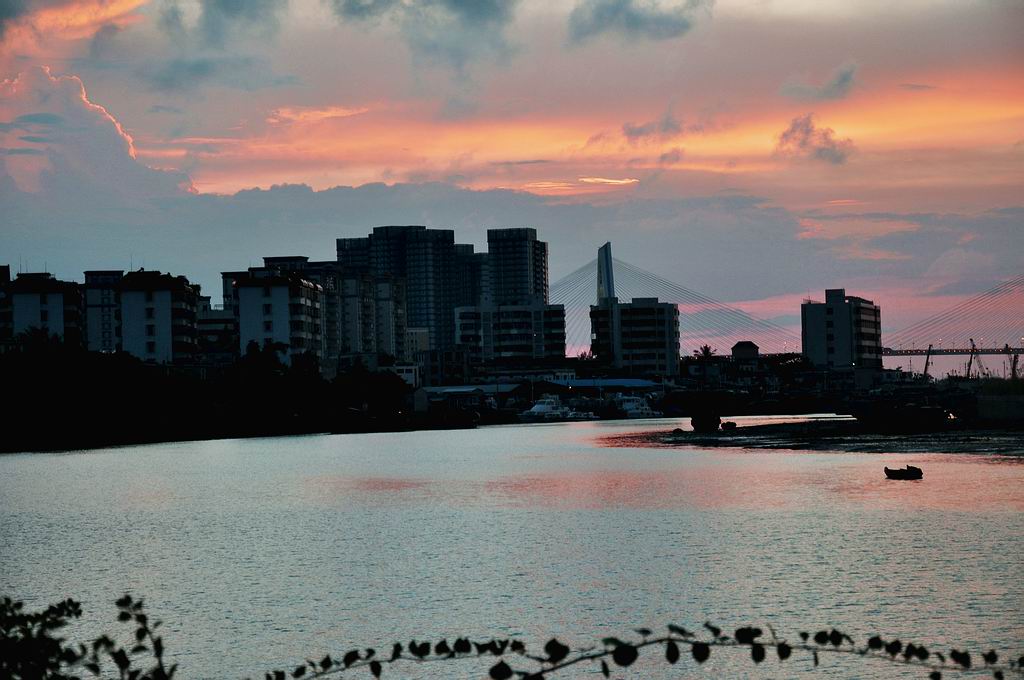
<point>31,649</point>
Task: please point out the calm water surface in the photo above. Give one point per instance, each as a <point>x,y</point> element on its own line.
<point>258,553</point>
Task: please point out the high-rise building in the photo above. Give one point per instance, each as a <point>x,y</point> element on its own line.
<point>437,273</point>
<point>158,317</point>
<point>38,300</point>
<point>843,332</point>
<point>510,319</point>
<point>216,334</point>
<point>6,322</point>
<point>518,266</point>
<point>640,337</point>
<point>102,292</point>
<point>527,332</point>
<point>279,308</point>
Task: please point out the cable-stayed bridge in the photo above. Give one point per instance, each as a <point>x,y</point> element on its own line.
<point>994,319</point>
<point>702,319</point>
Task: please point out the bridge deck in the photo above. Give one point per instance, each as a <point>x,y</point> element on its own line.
<point>965,351</point>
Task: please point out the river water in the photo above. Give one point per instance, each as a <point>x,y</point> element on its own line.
<point>259,553</point>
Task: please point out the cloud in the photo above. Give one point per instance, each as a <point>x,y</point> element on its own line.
<point>164,108</point>
<point>632,19</point>
<point>220,20</point>
<point>21,152</point>
<point>671,156</point>
<point>611,182</point>
<point>11,11</point>
<point>220,17</point>
<point>804,140</point>
<point>529,161</point>
<point>838,85</point>
<point>88,154</point>
<point>311,114</point>
<point>187,73</point>
<point>663,128</point>
<point>453,33</point>
<point>917,87</point>
<point>99,46</point>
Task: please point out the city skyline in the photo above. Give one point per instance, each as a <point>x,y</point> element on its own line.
<point>769,150</point>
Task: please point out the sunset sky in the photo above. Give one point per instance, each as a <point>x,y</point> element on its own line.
<point>754,150</point>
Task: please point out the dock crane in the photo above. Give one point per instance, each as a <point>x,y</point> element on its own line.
<point>970,359</point>
<point>927,361</point>
<point>1014,357</point>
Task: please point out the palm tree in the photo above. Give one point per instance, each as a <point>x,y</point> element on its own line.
<point>704,353</point>
<point>703,357</point>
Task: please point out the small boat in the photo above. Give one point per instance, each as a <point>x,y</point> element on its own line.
<point>909,472</point>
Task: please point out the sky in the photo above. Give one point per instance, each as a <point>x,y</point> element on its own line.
<point>757,151</point>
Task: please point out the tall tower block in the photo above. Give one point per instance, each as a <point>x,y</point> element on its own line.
<point>605,273</point>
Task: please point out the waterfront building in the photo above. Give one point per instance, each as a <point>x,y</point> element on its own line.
<point>102,295</point>
<point>511,320</point>
<point>38,300</point>
<point>158,317</point>
<point>525,332</point>
<point>518,267</point>
<point>6,322</point>
<point>640,337</point>
<point>842,332</point>
<point>745,350</point>
<point>216,334</point>
<point>281,309</point>
<point>437,273</point>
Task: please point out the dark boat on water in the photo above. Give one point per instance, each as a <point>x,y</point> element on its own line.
<point>909,472</point>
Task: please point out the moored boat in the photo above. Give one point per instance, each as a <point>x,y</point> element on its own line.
<point>909,472</point>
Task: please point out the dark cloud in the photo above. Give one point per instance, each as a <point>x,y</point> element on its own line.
<point>100,45</point>
<point>220,17</point>
<point>163,108</point>
<point>448,32</point>
<point>22,152</point>
<point>27,121</point>
<point>665,127</point>
<point>671,156</point>
<point>184,73</point>
<point>632,19</point>
<point>805,140</point>
<point>917,87</point>
<point>838,85</point>
<point>532,161</point>
<point>10,11</point>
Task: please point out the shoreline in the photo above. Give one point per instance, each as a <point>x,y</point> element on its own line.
<point>844,436</point>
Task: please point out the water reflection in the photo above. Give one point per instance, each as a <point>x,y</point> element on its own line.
<point>261,552</point>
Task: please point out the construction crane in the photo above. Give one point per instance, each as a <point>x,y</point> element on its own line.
<point>970,359</point>
<point>927,361</point>
<point>1014,357</point>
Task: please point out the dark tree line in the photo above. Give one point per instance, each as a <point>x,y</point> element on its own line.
<point>59,396</point>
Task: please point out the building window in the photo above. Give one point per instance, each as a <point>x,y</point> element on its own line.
<point>150,331</point>
<point>149,312</point>
<point>268,309</point>
<point>149,296</point>
<point>150,348</point>
<point>266,291</point>
<point>268,326</point>
<point>44,316</point>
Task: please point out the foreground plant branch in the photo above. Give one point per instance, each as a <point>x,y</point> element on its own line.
<point>30,649</point>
